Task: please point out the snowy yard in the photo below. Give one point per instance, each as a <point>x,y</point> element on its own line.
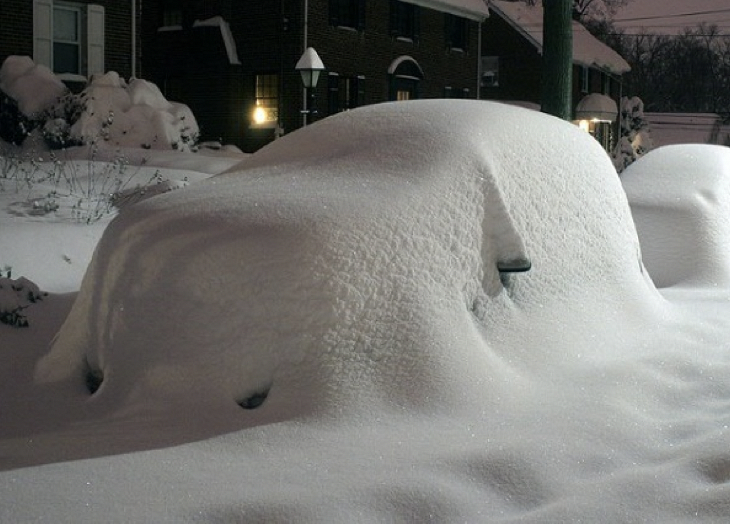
<point>319,332</point>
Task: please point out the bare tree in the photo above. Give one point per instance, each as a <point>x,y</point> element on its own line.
<point>596,9</point>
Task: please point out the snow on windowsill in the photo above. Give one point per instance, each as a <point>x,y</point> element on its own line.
<point>71,77</point>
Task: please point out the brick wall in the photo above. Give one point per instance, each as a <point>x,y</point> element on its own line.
<point>268,45</point>
<point>16,35</point>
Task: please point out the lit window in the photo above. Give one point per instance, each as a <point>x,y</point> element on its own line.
<point>266,109</point>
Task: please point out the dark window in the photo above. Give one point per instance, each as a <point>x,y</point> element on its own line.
<point>490,71</point>
<point>344,92</point>
<point>172,14</point>
<point>67,39</point>
<point>404,20</point>
<point>450,92</point>
<point>347,13</point>
<point>457,32</point>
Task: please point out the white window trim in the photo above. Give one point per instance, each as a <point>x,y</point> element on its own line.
<point>584,79</point>
<point>92,40</point>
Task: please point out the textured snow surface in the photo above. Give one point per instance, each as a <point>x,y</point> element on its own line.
<point>33,87</point>
<point>134,114</point>
<point>680,199</point>
<point>344,280</point>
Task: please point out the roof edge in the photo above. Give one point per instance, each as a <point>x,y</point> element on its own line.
<point>477,14</point>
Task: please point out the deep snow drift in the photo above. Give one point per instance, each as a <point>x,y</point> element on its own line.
<point>680,199</point>
<point>324,332</point>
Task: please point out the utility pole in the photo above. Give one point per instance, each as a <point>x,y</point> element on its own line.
<point>557,58</point>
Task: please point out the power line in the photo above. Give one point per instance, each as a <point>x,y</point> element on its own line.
<point>676,15</point>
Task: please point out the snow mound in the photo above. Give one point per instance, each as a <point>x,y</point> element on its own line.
<point>134,114</point>
<point>34,87</point>
<point>353,266</point>
<point>680,200</point>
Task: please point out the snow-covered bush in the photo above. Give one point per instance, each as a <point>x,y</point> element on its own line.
<point>635,136</point>
<point>15,296</point>
<point>134,114</point>
<point>108,112</point>
<point>27,91</point>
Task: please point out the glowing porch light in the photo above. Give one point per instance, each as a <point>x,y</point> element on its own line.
<point>259,115</point>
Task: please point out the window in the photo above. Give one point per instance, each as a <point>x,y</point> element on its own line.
<point>266,109</point>
<point>172,17</point>
<point>404,88</point>
<point>456,32</point>
<point>450,92</point>
<point>68,37</point>
<point>404,20</point>
<point>606,84</point>
<point>344,93</point>
<point>347,13</point>
<point>584,79</point>
<point>490,71</point>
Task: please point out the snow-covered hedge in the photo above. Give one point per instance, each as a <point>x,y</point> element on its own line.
<point>635,140</point>
<point>15,296</point>
<point>109,111</point>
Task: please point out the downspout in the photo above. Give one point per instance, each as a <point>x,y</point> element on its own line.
<point>134,38</point>
<point>479,60</point>
<point>305,42</point>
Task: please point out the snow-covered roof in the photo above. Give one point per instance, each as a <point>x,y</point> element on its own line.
<point>473,9</point>
<point>587,49</point>
<point>226,35</point>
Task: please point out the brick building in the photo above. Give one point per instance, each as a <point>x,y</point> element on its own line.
<point>512,64</point>
<point>74,38</point>
<point>235,66</point>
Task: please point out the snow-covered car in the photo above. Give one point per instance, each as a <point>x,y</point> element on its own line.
<point>323,334</point>
<point>680,199</point>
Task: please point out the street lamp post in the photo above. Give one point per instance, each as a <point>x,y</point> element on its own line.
<point>309,66</point>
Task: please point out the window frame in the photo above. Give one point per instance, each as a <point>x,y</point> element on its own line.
<point>585,79</point>
<point>91,20</point>
<point>344,92</point>
<point>490,71</point>
<point>404,21</point>
<point>456,32</point>
<point>171,16</point>
<point>347,14</point>
<point>266,91</point>
<point>77,44</point>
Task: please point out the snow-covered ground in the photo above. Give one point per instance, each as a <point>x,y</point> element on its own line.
<point>319,332</point>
